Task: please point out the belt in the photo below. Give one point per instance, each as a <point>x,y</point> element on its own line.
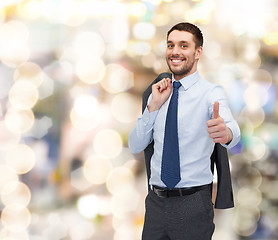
<point>176,192</point>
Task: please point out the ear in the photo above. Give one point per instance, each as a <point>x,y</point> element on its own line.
<point>199,52</point>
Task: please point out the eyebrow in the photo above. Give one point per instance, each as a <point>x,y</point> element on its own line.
<point>180,42</point>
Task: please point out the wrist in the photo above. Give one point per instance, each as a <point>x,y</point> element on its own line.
<point>152,107</point>
<point>229,136</point>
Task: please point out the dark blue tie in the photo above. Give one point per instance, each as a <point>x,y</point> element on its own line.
<point>170,167</point>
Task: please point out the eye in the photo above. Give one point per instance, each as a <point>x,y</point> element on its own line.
<point>183,46</point>
<point>170,46</point>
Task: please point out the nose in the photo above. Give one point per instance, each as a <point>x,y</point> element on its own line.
<point>175,50</point>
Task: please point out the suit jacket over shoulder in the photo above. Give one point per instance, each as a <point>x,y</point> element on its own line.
<point>219,158</point>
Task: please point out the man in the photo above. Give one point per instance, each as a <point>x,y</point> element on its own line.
<point>185,117</point>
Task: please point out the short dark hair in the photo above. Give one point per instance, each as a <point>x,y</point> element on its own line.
<point>189,27</point>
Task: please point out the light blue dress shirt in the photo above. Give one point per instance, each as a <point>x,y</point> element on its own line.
<point>195,108</point>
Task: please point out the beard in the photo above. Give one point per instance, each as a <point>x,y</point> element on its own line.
<point>182,70</point>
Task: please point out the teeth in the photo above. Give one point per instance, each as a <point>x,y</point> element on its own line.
<point>176,61</point>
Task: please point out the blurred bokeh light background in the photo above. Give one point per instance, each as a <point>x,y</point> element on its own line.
<point>71,77</point>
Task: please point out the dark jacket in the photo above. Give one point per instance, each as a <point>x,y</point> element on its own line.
<point>219,158</point>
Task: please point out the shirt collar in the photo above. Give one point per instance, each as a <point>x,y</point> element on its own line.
<point>189,81</point>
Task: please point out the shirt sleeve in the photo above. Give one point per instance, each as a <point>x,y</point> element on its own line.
<point>218,94</point>
<point>142,134</point>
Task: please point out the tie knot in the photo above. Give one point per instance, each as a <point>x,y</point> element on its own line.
<point>176,85</point>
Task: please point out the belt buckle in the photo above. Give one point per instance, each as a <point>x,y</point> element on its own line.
<point>162,193</point>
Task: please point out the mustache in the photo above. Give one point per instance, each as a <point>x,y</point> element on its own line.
<point>176,57</point>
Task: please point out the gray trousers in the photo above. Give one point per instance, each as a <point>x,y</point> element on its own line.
<point>187,217</point>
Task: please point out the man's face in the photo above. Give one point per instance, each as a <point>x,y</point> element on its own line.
<point>181,55</point>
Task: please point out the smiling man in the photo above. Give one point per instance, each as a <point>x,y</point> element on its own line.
<point>183,53</point>
<point>185,116</point>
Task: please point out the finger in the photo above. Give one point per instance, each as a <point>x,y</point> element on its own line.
<point>215,110</point>
<point>219,140</point>
<point>216,135</point>
<point>164,84</point>
<point>170,86</point>
<point>169,81</point>
<point>212,129</point>
<point>213,122</point>
<point>159,86</point>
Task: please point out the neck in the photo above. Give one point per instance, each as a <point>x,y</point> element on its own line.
<point>179,77</point>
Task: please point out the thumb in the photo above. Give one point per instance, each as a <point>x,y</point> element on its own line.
<point>215,110</point>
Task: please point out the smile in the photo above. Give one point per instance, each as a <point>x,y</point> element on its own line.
<point>177,61</point>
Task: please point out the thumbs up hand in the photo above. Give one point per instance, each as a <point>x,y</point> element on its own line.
<point>217,128</point>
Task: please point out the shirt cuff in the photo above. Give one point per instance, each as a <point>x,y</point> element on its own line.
<point>149,119</point>
<point>236,136</point>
